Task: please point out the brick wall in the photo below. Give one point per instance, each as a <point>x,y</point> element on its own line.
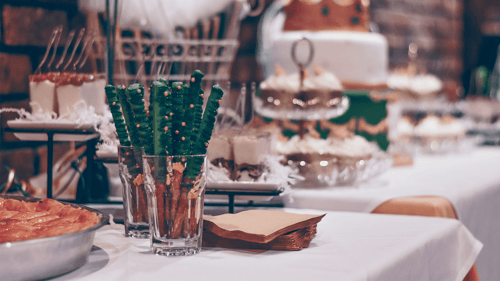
<point>25,29</point>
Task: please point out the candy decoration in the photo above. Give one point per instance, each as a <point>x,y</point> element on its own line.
<point>116,112</point>
<point>135,94</point>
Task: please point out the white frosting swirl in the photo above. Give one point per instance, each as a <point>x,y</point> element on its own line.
<point>324,82</point>
<point>287,83</point>
<point>432,127</point>
<point>353,147</point>
<point>405,128</point>
<point>426,84</point>
<point>420,84</point>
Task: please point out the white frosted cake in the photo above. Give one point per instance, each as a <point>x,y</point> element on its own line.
<point>358,59</point>
<point>42,96</point>
<point>59,92</point>
<point>72,87</point>
<point>220,151</point>
<point>242,155</point>
<point>421,85</point>
<point>42,92</point>
<point>435,127</point>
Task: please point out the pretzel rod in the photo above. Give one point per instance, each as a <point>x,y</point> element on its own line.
<point>175,188</point>
<point>139,200</point>
<point>128,116</point>
<point>204,133</point>
<point>136,214</point>
<point>135,95</point>
<point>167,208</point>
<point>193,223</point>
<point>185,224</point>
<point>196,94</point>
<point>162,120</point>
<point>181,213</point>
<point>143,205</point>
<point>187,122</point>
<point>116,112</point>
<point>160,205</point>
<point>178,116</point>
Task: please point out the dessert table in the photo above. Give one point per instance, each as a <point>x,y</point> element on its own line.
<point>348,246</point>
<point>464,186</point>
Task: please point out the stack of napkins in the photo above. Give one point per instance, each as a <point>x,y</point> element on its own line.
<point>260,230</point>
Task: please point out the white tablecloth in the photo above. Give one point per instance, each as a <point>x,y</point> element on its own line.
<point>348,246</point>
<point>470,181</point>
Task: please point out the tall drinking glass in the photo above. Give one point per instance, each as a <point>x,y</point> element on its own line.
<point>134,196</point>
<point>175,188</point>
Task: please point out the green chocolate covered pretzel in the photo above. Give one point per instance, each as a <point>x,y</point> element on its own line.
<point>204,133</point>
<point>178,116</point>
<point>128,115</point>
<point>135,95</point>
<point>116,112</point>
<point>162,120</point>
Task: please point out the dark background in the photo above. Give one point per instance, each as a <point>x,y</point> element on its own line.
<point>454,37</point>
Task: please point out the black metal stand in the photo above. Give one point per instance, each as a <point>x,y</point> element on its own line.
<point>232,193</point>
<point>91,140</point>
<point>50,162</point>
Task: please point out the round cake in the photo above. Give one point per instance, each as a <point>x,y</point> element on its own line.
<point>339,35</point>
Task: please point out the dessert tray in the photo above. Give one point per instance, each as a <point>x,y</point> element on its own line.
<point>419,145</point>
<point>47,257</point>
<point>299,114</point>
<point>441,127</point>
<point>341,172</point>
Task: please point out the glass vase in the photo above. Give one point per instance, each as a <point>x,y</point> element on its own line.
<point>135,208</point>
<point>175,188</point>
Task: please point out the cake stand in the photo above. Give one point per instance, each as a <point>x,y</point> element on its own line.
<point>303,111</point>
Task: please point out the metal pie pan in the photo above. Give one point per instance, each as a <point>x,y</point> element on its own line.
<point>47,257</point>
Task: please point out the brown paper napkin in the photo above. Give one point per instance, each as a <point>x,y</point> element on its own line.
<point>292,241</point>
<point>260,226</point>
